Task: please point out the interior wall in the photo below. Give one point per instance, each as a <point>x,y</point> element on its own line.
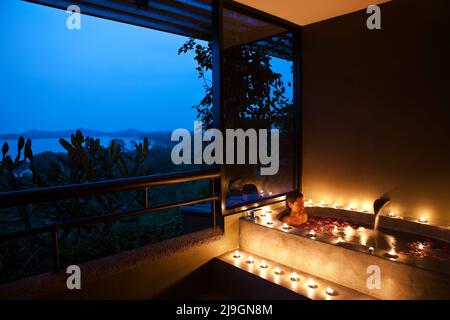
<point>376,109</point>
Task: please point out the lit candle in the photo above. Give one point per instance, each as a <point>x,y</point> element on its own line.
<point>371,250</point>
<point>295,277</point>
<point>323,204</point>
<point>329,291</point>
<point>352,207</point>
<point>309,203</point>
<point>392,252</point>
<point>278,271</point>
<point>269,221</point>
<point>340,240</point>
<point>263,265</point>
<point>421,246</point>
<point>236,254</point>
<point>312,234</point>
<point>337,205</point>
<point>391,215</point>
<point>270,193</point>
<point>250,260</point>
<point>312,284</point>
<point>423,220</point>
<point>286,226</point>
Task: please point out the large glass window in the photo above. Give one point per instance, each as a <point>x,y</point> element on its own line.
<point>258,94</point>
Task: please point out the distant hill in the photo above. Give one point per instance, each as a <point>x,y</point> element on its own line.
<point>40,134</point>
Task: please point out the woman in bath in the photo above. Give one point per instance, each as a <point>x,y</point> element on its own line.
<point>294,214</point>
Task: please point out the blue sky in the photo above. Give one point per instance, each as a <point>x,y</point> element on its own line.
<point>107,76</point>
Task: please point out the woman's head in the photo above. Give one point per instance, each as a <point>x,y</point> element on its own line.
<point>294,200</point>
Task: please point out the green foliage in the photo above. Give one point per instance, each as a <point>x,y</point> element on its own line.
<point>85,160</point>
<point>255,95</point>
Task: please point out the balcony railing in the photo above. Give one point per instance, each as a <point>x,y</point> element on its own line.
<point>49,194</point>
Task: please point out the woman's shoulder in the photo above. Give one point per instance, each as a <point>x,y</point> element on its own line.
<point>282,215</point>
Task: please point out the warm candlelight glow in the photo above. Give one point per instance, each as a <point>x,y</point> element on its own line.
<point>371,250</point>
<point>250,260</point>
<point>278,271</point>
<point>311,234</point>
<point>352,207</point>
<point>392,252</point>
<point>423,220</point>
<point>269,220</point>
<point>270,193</point>
<point>391,215</point>
<point>263,265</point>
<point>312,284</point>
<point>295,277</point>
<point>323,204</point>
<point>236,254</point>
<point>329,291</point>
<point>337,205</point>
<point>340,240</point>
<point>286,226</point>
<point>309,203</point>
<point>421,246</point>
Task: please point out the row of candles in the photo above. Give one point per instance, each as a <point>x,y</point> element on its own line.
<point>266,218</point>
<point>352,207</point>
<point>294,277</point>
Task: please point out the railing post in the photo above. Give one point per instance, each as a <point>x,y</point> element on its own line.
<point>146,198</point>
<point>55,249</point>
<point>213,203</point>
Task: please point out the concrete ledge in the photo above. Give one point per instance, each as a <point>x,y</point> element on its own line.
<point>52,284</point>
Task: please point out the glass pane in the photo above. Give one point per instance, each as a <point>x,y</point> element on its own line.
<point>258,94</point>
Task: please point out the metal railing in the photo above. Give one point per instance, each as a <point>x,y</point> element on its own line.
<point>49,194</point>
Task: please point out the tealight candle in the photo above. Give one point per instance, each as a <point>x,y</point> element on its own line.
<point>392,254</point>
<point>236,254</point>
<point>269,221</point>
<point>278,271</point>
<point>312,284</point>
<point>423,220</point>
<point>295,277</point>
<point>337,205</point>
<point>352,207</point>
<point>391,215</point>
<point>340,240</point>
<point>263,265</point>
<point>323,204</point>
<point>371,250</point>
<point>270,193</point>
<point>286,226</point>
<point>309,203</point>
<point>250,260</point>
<point>329,291</point>
<point>312,234</point>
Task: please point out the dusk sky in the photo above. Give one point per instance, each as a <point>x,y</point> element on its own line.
<point>107,76</point>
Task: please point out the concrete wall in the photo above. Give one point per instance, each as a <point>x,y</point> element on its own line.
<point>377,109</point>
<point>138,274</point>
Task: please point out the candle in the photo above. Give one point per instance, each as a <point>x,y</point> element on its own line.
<point>250,260</point>
<point>309,203</point>
<point>263,265</point>
<point>236,254</point>
<point>312,234</point>
<point>312,284</point>
<point>337,205</point>
<point>421,246</point>
<point>329,291</point>
<point>423,220</point>
<point>391,215</point>
<point>295,277</point>
<point>323,204</point>
<point>286,226</point>
<point>371,250</point>
<point>278,271</point>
